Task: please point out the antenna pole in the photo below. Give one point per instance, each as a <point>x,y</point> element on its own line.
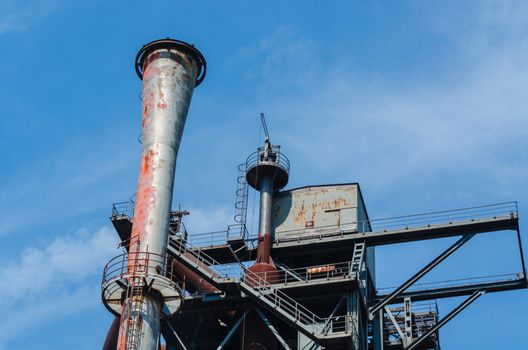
<point>264,126</point>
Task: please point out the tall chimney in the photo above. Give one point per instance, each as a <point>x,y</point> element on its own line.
<point>170,70</point>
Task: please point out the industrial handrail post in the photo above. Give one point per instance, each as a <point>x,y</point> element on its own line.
<point>123,263</point>
<point>147,264</point>
<point>296,312</point>
<point>172,270</point>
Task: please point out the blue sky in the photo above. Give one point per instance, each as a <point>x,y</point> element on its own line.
<point>423,103</point>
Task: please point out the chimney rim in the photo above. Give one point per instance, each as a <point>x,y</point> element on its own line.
<point>171,44</point>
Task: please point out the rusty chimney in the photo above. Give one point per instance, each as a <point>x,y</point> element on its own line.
<point>170,70</point>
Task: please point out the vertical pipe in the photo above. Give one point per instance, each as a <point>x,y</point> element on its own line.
<point>169,70</point>
<point>111,338</point>
<point>266,196</point>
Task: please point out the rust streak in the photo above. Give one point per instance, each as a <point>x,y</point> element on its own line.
<point>145,201</point>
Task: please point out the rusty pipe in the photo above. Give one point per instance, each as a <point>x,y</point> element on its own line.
<point>170,70</point>
<point>113,333</point>
<point>191,278</point>
<point>264,234</point>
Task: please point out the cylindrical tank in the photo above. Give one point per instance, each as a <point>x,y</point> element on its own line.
<point>170,70</point>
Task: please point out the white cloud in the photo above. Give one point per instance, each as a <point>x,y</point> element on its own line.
<point>46,283</point>
<point>204,220</point>
<point>31,313</point>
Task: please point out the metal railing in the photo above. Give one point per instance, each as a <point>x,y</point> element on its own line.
<point>144,263</point>
<point>217,238</point>
<point>398,223</point>
<point>281,301</point>
<point>453,283</point>
<point>261,156</point>
<point>257,285</point>
<point>445,217</point>
<point>127,271</point>
<point>342,324</point>
<point>123,209</point>
<point>424,317</point>
<point>299,313</point>
<point>307,274</point>
<point>199,258</point>
<point>208,239</point>
<point>425,306</point>
<point>406,222</point>
<point>278,300</point>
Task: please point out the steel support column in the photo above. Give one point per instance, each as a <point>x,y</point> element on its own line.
<point>169,333</point>
<point>273,330</point>
<point>232,331</point>
<point>521,252</point>
<point>377,331</point>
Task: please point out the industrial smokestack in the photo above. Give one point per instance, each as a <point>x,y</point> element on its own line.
<point>267,171</point>
<point>170,70</point>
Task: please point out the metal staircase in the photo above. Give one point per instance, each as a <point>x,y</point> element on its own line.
<point>290,310</point>
<point>265,294</point>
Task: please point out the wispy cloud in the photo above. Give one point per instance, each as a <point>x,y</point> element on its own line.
<point>472,124</point>
<point>46,283</point>
<point>209,219</point>
<point>19,16</point>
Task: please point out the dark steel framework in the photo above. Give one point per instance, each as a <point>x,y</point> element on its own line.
<point>290,306</point>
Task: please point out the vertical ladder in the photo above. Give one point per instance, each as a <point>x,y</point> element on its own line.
<point>357,256</point>
<point>241,197</point>
<point>133,313</point>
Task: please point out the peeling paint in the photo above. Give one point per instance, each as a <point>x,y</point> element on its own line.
<point>313,207</point>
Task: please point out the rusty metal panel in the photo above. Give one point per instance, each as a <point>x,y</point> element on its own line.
<point>309,210</point>
<point>349,219</point>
